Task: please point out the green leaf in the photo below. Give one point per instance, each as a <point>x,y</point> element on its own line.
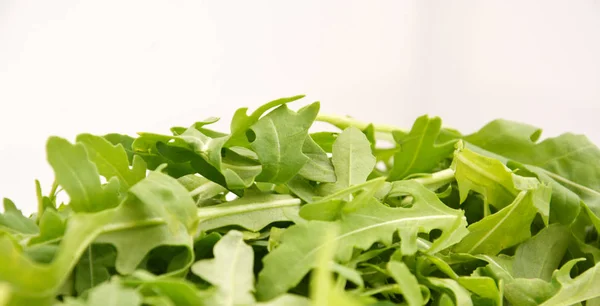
<point>539,256</point>
<point>568,160</point>
<point>325,140</point>
<point>113,294</point>
<point>241,122</point>
<point>169,290</point>
<point>488,177</point>
<point>125,141</point>
<point>13,220</point>
<point>79,177</point>
<point>204,154</point>
<point>94,267</point>
<point>52,227</point>
<point>322,289</point>
<point>239,171</point>
<point>318,167</point>
<point>564,203</point>
<point>525,291</point>
<point>230,271</point>
<point>329,208</point>
<point>285,266</point>
<point>202,189</point>
<point>279,138</point>
<point>409,286</point>
<point>485,287</point>
<point>418,150</point>
<point>572,291</point>
<point>111,160</point>
<point>288,263</point>
<point>310,216</point>
<point>161,194</point>
<point>459,295</point>
<point>4,294</point>
<point>506,228</point>
<point>302,189</point>
<point>162,204</point>
<point>352,159</point>
<point>254,211</point>
<point>287,300</point>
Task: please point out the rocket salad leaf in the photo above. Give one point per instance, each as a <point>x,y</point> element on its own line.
<point>276,213</point>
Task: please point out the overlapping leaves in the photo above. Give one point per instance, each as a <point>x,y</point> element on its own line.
<point>273,214</point>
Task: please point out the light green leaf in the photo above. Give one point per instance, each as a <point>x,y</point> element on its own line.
<point>445,300</point>
<point>352,159</point>
<point>79,177</point>
<point>52,227</point>
<point>13,221</point>
<point>564,203</point>
<point>484,287</point>
<point>230,271</point>
<point>4,294</point>
<point>254,211</point>
<point>322,289</point>
<point>568,160</point>
<point>459,295</point>
<point>113,294</point>
<point>418,150</point>
<point>203,154</point>
<point>488,177</point>
<point>111,160</point>
<point>287,300</point>
<point>302,189</point>
<point>318,167</point>
<point>539,256</point>
<point>409,286</point>
<point>162,204</point>
<point>506,228</point>
<point>571,291</point>
<point>593,302</point>
<point>329,208</point>
<point>107,294</point>
<point>528,291</point>
<point>348,273</point>
<point>285,266</point>
<point>202,189</point>
<point>289,262</point>
<point>325,140</point>
<point>170,290</point>
<point>93,267</point>
<point>167,196</point>
<point>241,122</point>
<point>279,138</point>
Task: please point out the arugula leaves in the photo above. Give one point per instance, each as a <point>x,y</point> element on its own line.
<point>273,213</point>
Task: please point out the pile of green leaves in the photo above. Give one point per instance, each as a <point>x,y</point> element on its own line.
<point>273,213</point>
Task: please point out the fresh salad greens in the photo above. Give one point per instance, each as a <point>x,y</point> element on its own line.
<point>274,213</point>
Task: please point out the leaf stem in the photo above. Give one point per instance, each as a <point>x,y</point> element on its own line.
<point>53,190</point>
<point>486,208</point>
<point>382,131</point>
<point>343,122</point>
<point>437,179</point>
<point>205,213</point>
<point>381,289</point>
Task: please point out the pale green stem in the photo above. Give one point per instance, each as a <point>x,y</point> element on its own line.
<point>382,131</point>
<point>486,208</point>
<point>392,287</point>
<point>205,213</point>
<point>437,179</point>
<point>344,122</point>
<point>53,190</point>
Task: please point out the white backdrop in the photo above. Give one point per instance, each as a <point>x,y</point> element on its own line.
<point>68,67</point>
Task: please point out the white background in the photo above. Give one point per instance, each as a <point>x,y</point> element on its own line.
<point>68,67</point>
